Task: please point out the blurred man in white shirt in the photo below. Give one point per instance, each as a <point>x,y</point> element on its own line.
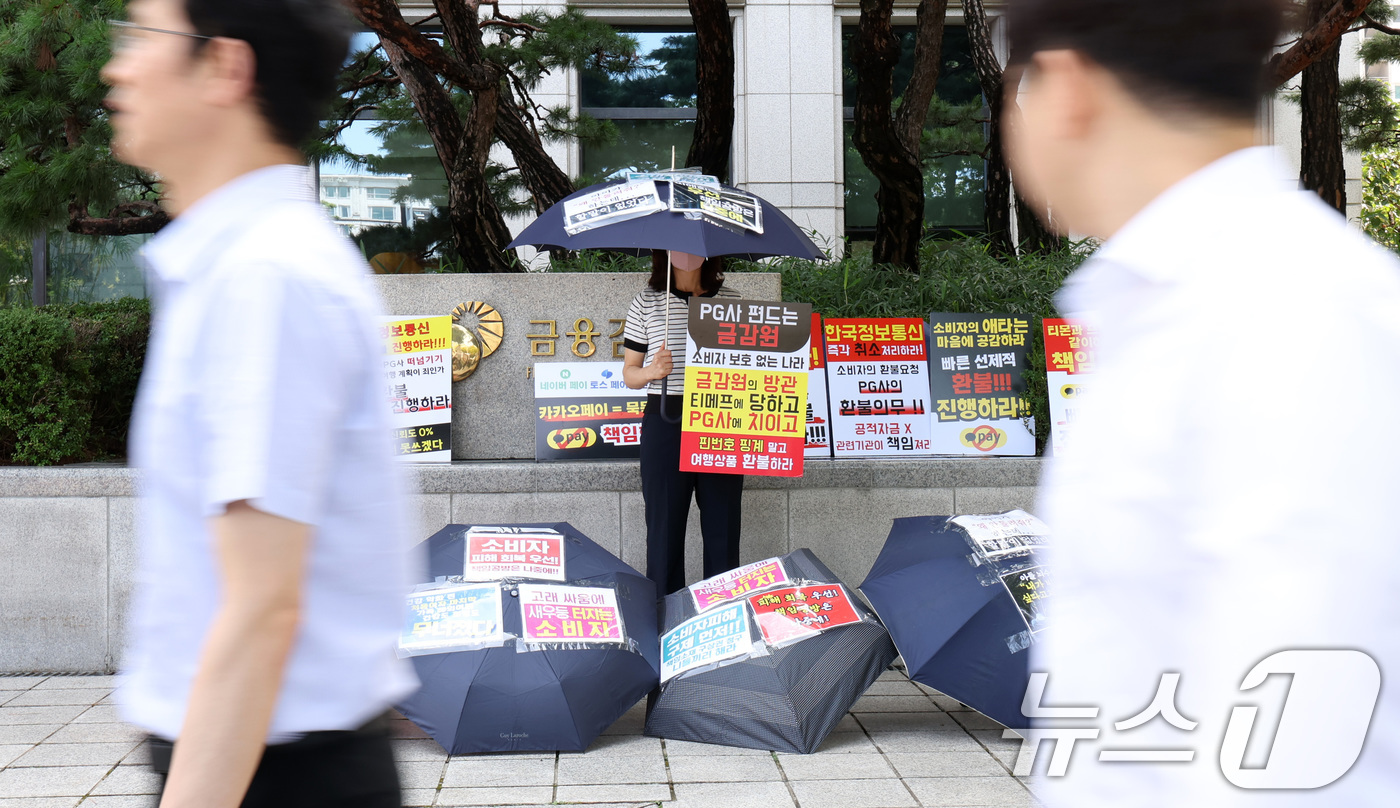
<point>1230,494</point>
<point>272,557</point>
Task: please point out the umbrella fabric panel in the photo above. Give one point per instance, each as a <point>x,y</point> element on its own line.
<point>976,667</point>
<point>667,230</point>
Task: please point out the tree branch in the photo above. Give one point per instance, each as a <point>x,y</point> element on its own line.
<point>384,18</point>
<point>1315,41</point>
<point>1376,25</point>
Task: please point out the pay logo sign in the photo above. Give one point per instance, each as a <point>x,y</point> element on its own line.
<point>1320,733</point>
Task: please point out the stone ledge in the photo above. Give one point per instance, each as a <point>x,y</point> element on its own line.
<point>516,476</point>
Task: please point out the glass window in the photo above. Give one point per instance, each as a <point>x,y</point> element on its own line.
<point>653,107</point>
<point>954,186</point>
<point>343,211</point>
<point>382,214</point>
<point>381,193</point>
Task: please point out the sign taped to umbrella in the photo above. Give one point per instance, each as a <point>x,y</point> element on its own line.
<point>738,583</point>
<point>734,209</point>
<point>877,375</point>
<point>692,176</point>
<point>494,553</point>
<point>705,641</point>
<point>615,203</point>
<point>795,613</point>
<point>1030,589</point>
<point>442,619</point>
<point>418,368</point>
<point>976,362</point>
<point>746,387</point>
<point>559,616</point>
<point>997,536</point>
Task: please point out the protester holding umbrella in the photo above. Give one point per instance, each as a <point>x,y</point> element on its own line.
<point>656,324</point>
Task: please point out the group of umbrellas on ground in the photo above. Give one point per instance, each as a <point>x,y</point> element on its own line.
<point>536,638</point>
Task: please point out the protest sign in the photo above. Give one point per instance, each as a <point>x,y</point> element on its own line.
<point>801,611</point>
<point>704,640</point>
<point>732,209</point>
<point>1069,371</point>
<point>818,406</point>
<point>976,362</point>
<point>1000,535</point>
<point>737,583</point>
<point>452,617</point>
<point>615,203</point>
<point>692,176</point>
<point>746,387</point>
<point>584,411</point>
<point>1029,589</point>
<point>877,378</point>
<point>417,366</point>
<point>552,614</point>
<point>494,554</point>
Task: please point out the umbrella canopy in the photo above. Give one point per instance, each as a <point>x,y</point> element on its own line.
<point>950,623</point>
<point>671,230</point>
<point>503,700</point>
<point>786,701</point>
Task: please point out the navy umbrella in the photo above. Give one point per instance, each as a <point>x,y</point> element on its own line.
<point>671,230</point>
<point>503,700</point>
<point>955,623</point>
<point>788,700</point>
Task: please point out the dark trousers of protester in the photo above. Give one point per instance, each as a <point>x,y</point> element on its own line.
<point>667,492</point>
<point>343,769</point>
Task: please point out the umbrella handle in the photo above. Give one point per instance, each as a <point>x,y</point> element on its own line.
<point>668,419</point>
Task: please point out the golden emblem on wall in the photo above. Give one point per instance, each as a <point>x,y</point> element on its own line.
<point>477,331</point>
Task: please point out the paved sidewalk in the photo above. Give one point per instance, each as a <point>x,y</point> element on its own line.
<point>903,746</point>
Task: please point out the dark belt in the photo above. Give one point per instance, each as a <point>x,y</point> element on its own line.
<point>162,750</point>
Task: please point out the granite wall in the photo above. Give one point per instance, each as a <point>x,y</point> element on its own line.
<point>67,535</point>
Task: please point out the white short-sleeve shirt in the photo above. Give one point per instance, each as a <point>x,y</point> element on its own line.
<point>261,384</point>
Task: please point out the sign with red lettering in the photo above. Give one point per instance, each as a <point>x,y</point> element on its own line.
<point>746,387</point>
<point>505,553</point>
<point>818,407</point>
<point>977,362</point>
<point>583,411</point>
<point>569,614</point>
<point>1069,370</point>
<point>737,583</point>
<point>877,378</point>
<point>796,612</point>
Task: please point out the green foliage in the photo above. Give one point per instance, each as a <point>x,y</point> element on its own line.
<point>54,134</point>
<point>1369,116</point>
<point>68,378</point>
<point>1380,196</point>
<point>45,388</point>
<point>16,266</point>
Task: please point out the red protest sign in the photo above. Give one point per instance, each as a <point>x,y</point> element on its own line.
<point>801,611</point>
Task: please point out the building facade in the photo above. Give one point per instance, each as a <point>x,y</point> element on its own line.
<point>357,201</point>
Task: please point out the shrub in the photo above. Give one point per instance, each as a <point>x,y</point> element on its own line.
<point>112,337</point>
<point>45,388</point>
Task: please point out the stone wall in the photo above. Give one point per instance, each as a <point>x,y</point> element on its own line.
<point>67,535</point>
<point>493,410</point>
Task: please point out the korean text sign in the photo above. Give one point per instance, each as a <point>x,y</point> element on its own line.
<point>877,381</point>
<point>417,372</point>
<point>453,616</point>
<point>569,614</point>
<point>706,639</point>
<point>1001,535</point>
<point>818,406</point>
<point>976,362</point>
<point>795,612</point>
<point>1069,371</point>
<point>492,555</point>
<point>1029,588</point>
<point>584,411</point>
<point>737,583</point>
<point>746,387</point>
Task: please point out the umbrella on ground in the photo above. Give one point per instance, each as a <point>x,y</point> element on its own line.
<point>503,700</point>
<point>788,700</point>
<point>955,624</point>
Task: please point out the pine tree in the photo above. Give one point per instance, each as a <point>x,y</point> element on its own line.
<point>56,163</point>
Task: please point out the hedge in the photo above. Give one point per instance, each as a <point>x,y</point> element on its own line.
<point>68,377</point>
